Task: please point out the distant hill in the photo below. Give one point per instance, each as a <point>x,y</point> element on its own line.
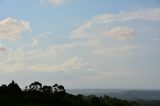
<point>119,93</point>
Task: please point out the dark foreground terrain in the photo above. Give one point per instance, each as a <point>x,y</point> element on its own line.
<point>38,95</point>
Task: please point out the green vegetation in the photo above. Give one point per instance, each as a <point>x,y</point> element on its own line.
<point>38,95</point>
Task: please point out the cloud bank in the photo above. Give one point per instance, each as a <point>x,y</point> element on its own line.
<point>99,24</point>
<point>92,49</point>
<point>12,29</point>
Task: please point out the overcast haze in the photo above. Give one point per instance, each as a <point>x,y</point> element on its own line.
<point>81,43</point>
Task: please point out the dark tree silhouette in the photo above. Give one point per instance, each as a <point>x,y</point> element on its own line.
<point>36,86</point>
<point>47,89</point>
<point>38,95</point>
<point>58,89</point>
<point>13,88</point>
<point>3,89</point>
<point>55,88</point>
<point>61,89</point>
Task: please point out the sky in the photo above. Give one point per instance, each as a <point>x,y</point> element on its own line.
<point>101,44</point>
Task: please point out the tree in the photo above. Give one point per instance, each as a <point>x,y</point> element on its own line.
<point>47,89</point>
<point>58,88</point>
<point>55,88</point>
<point>13,88</point>
<point>61,89</point>
<point>3,89</point>
<point>12,95</point>
<point>36,86</point>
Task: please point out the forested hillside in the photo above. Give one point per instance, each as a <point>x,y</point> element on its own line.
<point>37,94</point>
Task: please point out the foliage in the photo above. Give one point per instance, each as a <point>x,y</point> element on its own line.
<point>38,95</point>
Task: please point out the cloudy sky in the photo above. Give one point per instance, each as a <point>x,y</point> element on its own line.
<point>81,43</point>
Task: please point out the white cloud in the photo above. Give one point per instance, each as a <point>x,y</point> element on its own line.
<point>12,29</point>
<point>28,52</point>
<point>121,33</point>
<point>118,51</point>
<point>72,64</point>
<point>94,46</point>
<point>81,31</point>
<point>57,2</point>
<point>99,24</point>
<point>152,14</point>
<point>4,52</point>
<point>104,55</point>
<point>12,67</point>
<point>3,48</point>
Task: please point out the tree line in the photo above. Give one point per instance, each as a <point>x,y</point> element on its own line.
<point>37,94</point>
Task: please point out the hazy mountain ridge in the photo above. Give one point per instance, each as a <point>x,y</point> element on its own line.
<point>120,93</point>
